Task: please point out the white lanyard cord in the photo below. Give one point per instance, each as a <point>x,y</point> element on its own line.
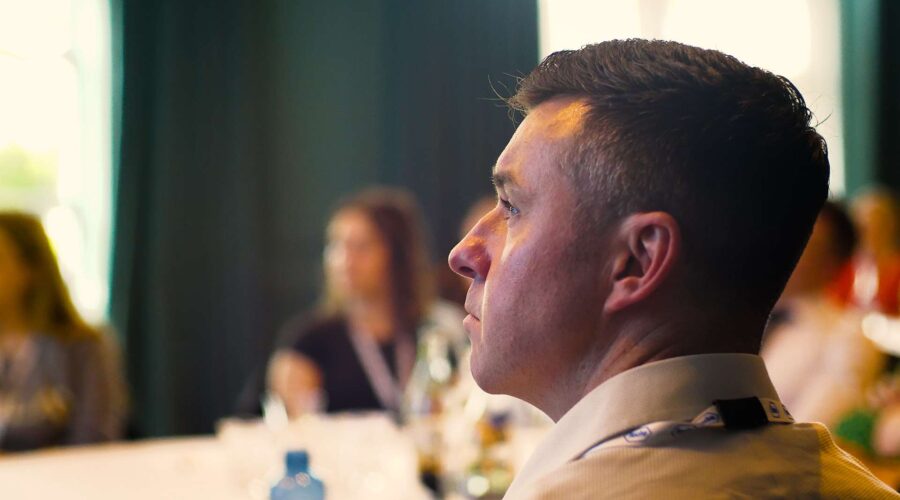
<point>656,433</point>
<point>388,388</point>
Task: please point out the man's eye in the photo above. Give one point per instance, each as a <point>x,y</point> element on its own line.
<point>510,210</point>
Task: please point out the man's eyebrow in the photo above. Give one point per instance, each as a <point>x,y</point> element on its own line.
<point>503,180</point>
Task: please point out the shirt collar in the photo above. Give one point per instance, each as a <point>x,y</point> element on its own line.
<point>675,389</point>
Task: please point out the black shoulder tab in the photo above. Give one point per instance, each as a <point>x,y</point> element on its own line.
<point>741,414</point>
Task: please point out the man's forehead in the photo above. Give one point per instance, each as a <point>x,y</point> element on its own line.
<point>547,128</point>
<point>560,118</point>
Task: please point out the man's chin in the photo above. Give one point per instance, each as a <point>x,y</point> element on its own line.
<point>489,381</point>
<point>488,386</point>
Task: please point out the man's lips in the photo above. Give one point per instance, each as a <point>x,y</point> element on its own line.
<point>471,323</point>
<point>472,304</point>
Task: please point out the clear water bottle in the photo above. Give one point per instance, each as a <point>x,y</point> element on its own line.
<point>298,483</point>
<point>424,404</point>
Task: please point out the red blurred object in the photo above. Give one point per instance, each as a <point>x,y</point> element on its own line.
<point>849,289</point>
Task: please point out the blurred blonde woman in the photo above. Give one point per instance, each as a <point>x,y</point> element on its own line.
<point>59,377</point>
<point>355,352</point>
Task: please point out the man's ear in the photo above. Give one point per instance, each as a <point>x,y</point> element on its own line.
<point>649,244</point>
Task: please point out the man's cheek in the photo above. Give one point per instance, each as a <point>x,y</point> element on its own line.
<point>517,239</point>
<point>520,254</point>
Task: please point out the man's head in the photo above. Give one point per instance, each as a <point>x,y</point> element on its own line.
<point>650,184</point>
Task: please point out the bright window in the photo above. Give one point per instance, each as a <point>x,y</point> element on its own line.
<point>799,39</point>
<point>55,133</point>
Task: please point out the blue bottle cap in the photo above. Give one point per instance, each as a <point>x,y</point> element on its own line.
<point>297,461</point>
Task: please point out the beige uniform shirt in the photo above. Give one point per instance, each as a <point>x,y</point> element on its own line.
<point>774,461</point>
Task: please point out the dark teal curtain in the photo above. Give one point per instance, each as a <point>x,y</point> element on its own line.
<point>870,54</point>
<point>241,122</point>
<point>889,116</point>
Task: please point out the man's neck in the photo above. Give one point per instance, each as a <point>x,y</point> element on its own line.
<point>640,346</point>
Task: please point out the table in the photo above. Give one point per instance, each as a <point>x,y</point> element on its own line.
<point>157,469</point>
<point>359,457</point>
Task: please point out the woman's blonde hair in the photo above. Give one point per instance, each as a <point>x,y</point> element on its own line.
<point>48,306</point>
<point>395,215</point>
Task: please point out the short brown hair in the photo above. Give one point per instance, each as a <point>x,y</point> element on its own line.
<point>725,148</point>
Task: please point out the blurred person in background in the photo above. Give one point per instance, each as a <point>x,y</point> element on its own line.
<point>872,430</point>
<point>873,281</point>
<point>60,379</point>
<point>816,354</point>
<point>356,351</point>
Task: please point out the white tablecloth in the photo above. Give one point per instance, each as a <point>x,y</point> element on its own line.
<point>157,469</point>
<point>356,457</point>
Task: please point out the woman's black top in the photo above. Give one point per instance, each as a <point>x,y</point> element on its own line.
<point>326,341</point>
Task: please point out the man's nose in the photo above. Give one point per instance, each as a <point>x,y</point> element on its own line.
<point>469,257</point>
